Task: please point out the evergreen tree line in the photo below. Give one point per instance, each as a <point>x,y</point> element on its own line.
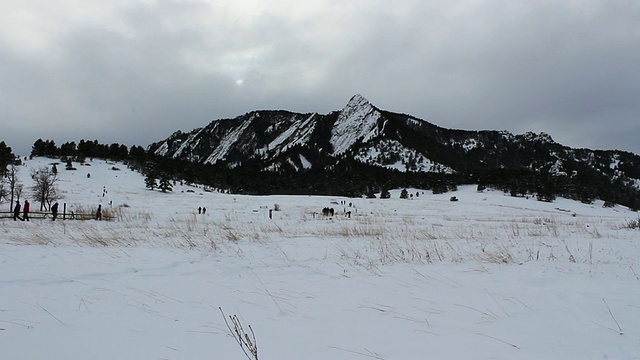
<point>88,149</point>
<point>585,186</point>
<point>348,177</point>
<point>6,158</point>
<point>345,178</point>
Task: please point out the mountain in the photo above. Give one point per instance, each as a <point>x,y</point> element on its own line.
<point>362,149</point>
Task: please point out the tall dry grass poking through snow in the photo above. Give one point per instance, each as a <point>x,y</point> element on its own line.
<point>368,239</point>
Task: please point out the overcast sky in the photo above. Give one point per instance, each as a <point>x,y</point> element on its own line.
<point>135,71</point>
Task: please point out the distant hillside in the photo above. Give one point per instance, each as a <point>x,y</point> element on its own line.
<point>362,150</point>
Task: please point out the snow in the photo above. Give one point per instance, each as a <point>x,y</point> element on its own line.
<point>470,144</point>
<point>541,137</point>
<point>306,164</point>
<point>222,150</point>
<point>615,161</point>
<point>163,149</point>
<point>189,144</point>
<point>556,169</point>
<point>298,134</point>
<point>375,153</point>
<point>488,277</point>
<point>356,122</point>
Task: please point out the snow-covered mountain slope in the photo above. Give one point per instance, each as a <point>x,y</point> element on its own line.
<point>267,135</point>
<point>262,134</point>
<point>231,139</point>
<point>358,121</point>
<point>298,134</point>
<point>392,154</point>
<point>362,138</point>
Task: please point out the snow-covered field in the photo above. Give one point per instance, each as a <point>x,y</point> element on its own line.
<point>487,277</point>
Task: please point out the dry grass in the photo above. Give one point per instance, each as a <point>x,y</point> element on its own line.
<point>368,240</point>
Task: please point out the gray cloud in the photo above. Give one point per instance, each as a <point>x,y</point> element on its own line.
<point>138,72</point>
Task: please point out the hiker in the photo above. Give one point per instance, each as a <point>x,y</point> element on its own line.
<point>204,210</point>
<point>25,211</point>
<point>16,211</point>
<point>99,212</point>
<point>54,211</point>
<point>199,210</point>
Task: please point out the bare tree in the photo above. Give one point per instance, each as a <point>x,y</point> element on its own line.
<point>3,189</point>
<point>45,189</point>
<point>15,185</point>
<point>18,190</point>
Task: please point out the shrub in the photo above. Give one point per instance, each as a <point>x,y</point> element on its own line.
<point>404,194</point>
<point>633,224</point>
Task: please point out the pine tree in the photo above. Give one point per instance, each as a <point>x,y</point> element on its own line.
<point>150,182</point>
<point>404,194</point>
<point>38,148</point>
<point>165,183</point>
<point>6,158</point>
<point>385,194</point>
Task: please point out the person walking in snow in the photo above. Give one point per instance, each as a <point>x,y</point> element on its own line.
<point>25,211</point>
<point>16,211</point>
<point>99,212</point>
<point>54,211</point>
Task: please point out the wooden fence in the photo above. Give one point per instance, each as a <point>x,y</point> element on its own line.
<point>61,216</point>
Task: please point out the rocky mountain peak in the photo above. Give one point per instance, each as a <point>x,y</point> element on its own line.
<point>357,121</point>
<point>357,101</point>
<point>369,148</point>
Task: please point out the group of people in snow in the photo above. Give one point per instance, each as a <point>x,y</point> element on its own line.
<point>26,208</point>
<point>25,211</point>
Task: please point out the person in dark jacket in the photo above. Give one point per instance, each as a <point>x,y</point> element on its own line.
<point>99,212</point>
<point>54,211</point>
<point>25,211</point>
<point>16,211</point>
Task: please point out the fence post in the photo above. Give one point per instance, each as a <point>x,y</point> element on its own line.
<point>64,211</point>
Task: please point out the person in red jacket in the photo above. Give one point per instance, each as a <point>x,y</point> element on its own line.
<point>25,211</point>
